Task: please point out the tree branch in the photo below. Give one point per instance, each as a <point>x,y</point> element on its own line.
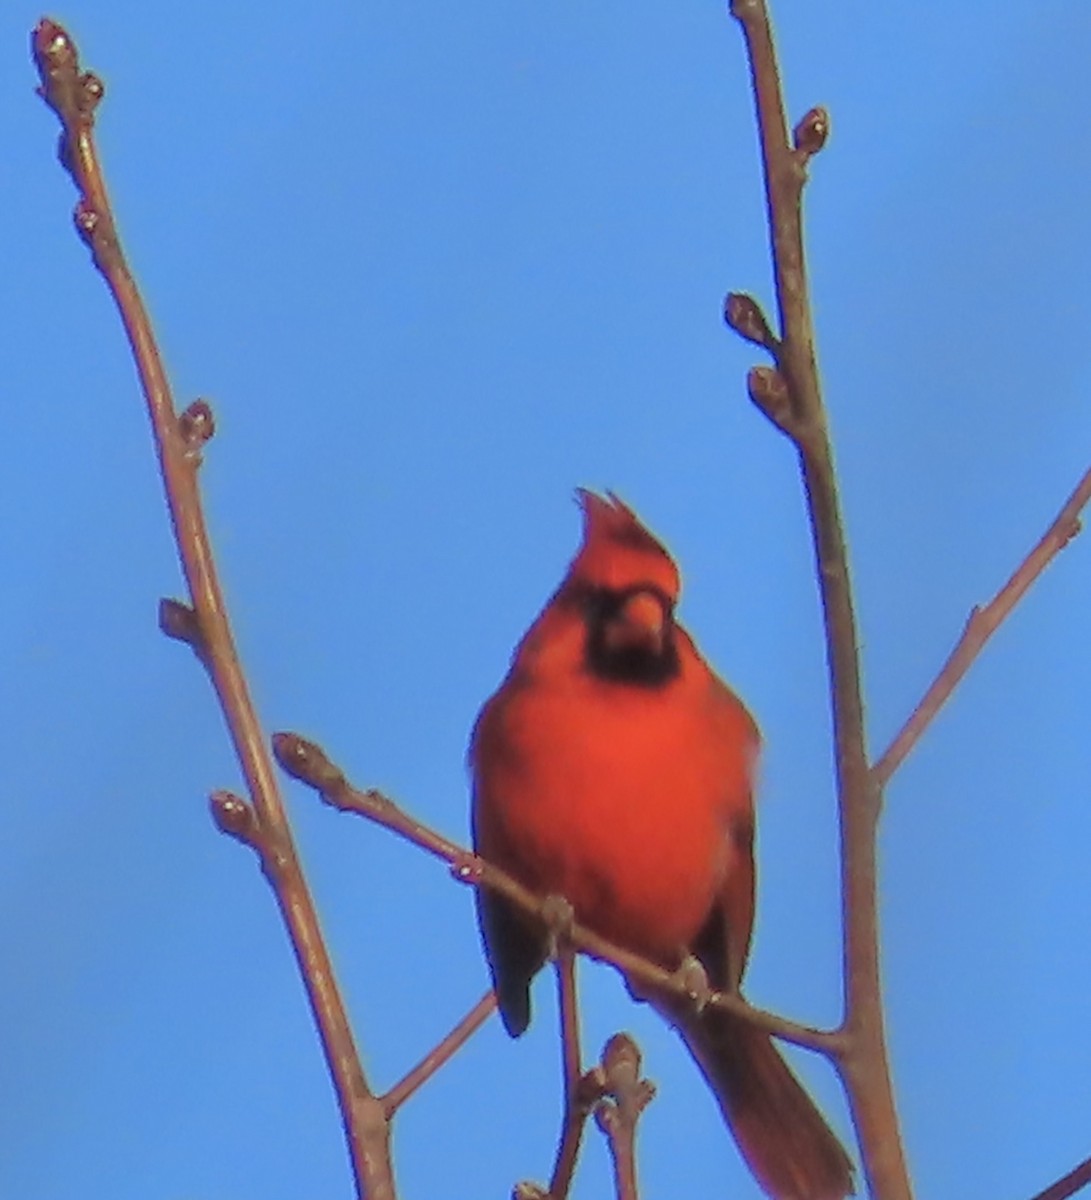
<point>580,1092</point>
<point>1077,1178</point>
<point>439,1055</point>
<point>179,441</point>
<point>308,762</point>
<point>981,625</point>
<point>791,397</point>
<point>629,1095</point>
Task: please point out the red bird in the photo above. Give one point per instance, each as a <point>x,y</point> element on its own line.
<point>613,767</point>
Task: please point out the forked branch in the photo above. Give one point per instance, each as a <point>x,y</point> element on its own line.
<point>203,623</point>
<point>627,1095</point>
<point>790,395</point>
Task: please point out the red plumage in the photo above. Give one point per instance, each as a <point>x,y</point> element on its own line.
<point>615,768</point>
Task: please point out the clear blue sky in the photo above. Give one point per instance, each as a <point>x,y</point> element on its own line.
<point>435,266</point>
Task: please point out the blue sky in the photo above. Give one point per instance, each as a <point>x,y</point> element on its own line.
<point>435,267</point>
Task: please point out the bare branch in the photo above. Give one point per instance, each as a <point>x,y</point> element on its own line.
<point>617,1117</point>
<point>580,1092</point>
<point>1078,1178</point>
<point>799,412</point>
<point>179,441</point>
<point>308,762</point>
<point>439,1055</point>
<point>982,624</point>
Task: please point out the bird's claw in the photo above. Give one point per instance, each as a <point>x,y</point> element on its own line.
<point>558,917</point>
<point>692,979</point>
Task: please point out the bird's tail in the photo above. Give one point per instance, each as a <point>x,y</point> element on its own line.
<point>785,1140</point>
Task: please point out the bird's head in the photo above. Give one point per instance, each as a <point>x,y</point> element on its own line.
<point>625,585</point>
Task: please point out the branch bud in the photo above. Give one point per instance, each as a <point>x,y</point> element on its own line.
<point>743,314</point>
<point>769,391</point>
<point>621,1058</point>
<point>52,48</point>
<point>810,135</point>
<point>179,621</point>
<point>72,96</point>
<point>621,1065</point>
<point>96,229</point>
<point>526,1190</point>
<point>307,762</point>
<point>234,817</point>
<point>591,1088</point>
<point>196,425</point>
<point>92,90</point>
<point>466,868</point>
<point>86,218</point>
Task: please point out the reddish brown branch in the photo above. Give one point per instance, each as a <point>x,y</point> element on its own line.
<point>308,762</point>
<point>790,395</point>
<point>179,440</point>
<point>617,1117</point>
<point>982,624</point>
<point>568,1007</point>
<point>1076,1179</point>
<point>439,1055</point>
<point>575,1099</point>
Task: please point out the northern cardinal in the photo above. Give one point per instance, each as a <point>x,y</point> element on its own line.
<point>613,767</point>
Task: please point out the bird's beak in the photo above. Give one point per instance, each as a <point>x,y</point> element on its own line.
<point>640,622</point>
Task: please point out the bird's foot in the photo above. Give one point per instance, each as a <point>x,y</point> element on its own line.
<point>692,980</point>
<point>558,916</point>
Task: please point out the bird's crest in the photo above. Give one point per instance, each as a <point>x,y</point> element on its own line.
<point>618,551</point>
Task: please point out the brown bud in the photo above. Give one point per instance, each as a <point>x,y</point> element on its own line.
<point>179,621</point>
<point>621,1054</point>
<point>86,217</point>
<point>607,1117</point>
<point>769,391</point>
<point>197,424</point>
<point>92,90</point>
<point>621,1063</point>
<point>234,816</point>
<point>466,868</point>
<point>811,133</point>
<point>526,1190</point>
<point>306,761</point>
<point>743,314</point>
<point>591,1088</point>
<point>52,47</point>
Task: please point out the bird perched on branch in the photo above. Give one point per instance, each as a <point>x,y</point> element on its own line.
<point>613,767</point>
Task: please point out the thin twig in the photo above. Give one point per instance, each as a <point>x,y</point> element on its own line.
<point>308,762</point>
<point>617,1117</point>
<point>791,397</point>
<point>981,625</point>
<point>179,441</point>
<point>575,1099</point>
<point>439,1055</point>
<point>568,1005</point>
<point>1076,1179</point>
